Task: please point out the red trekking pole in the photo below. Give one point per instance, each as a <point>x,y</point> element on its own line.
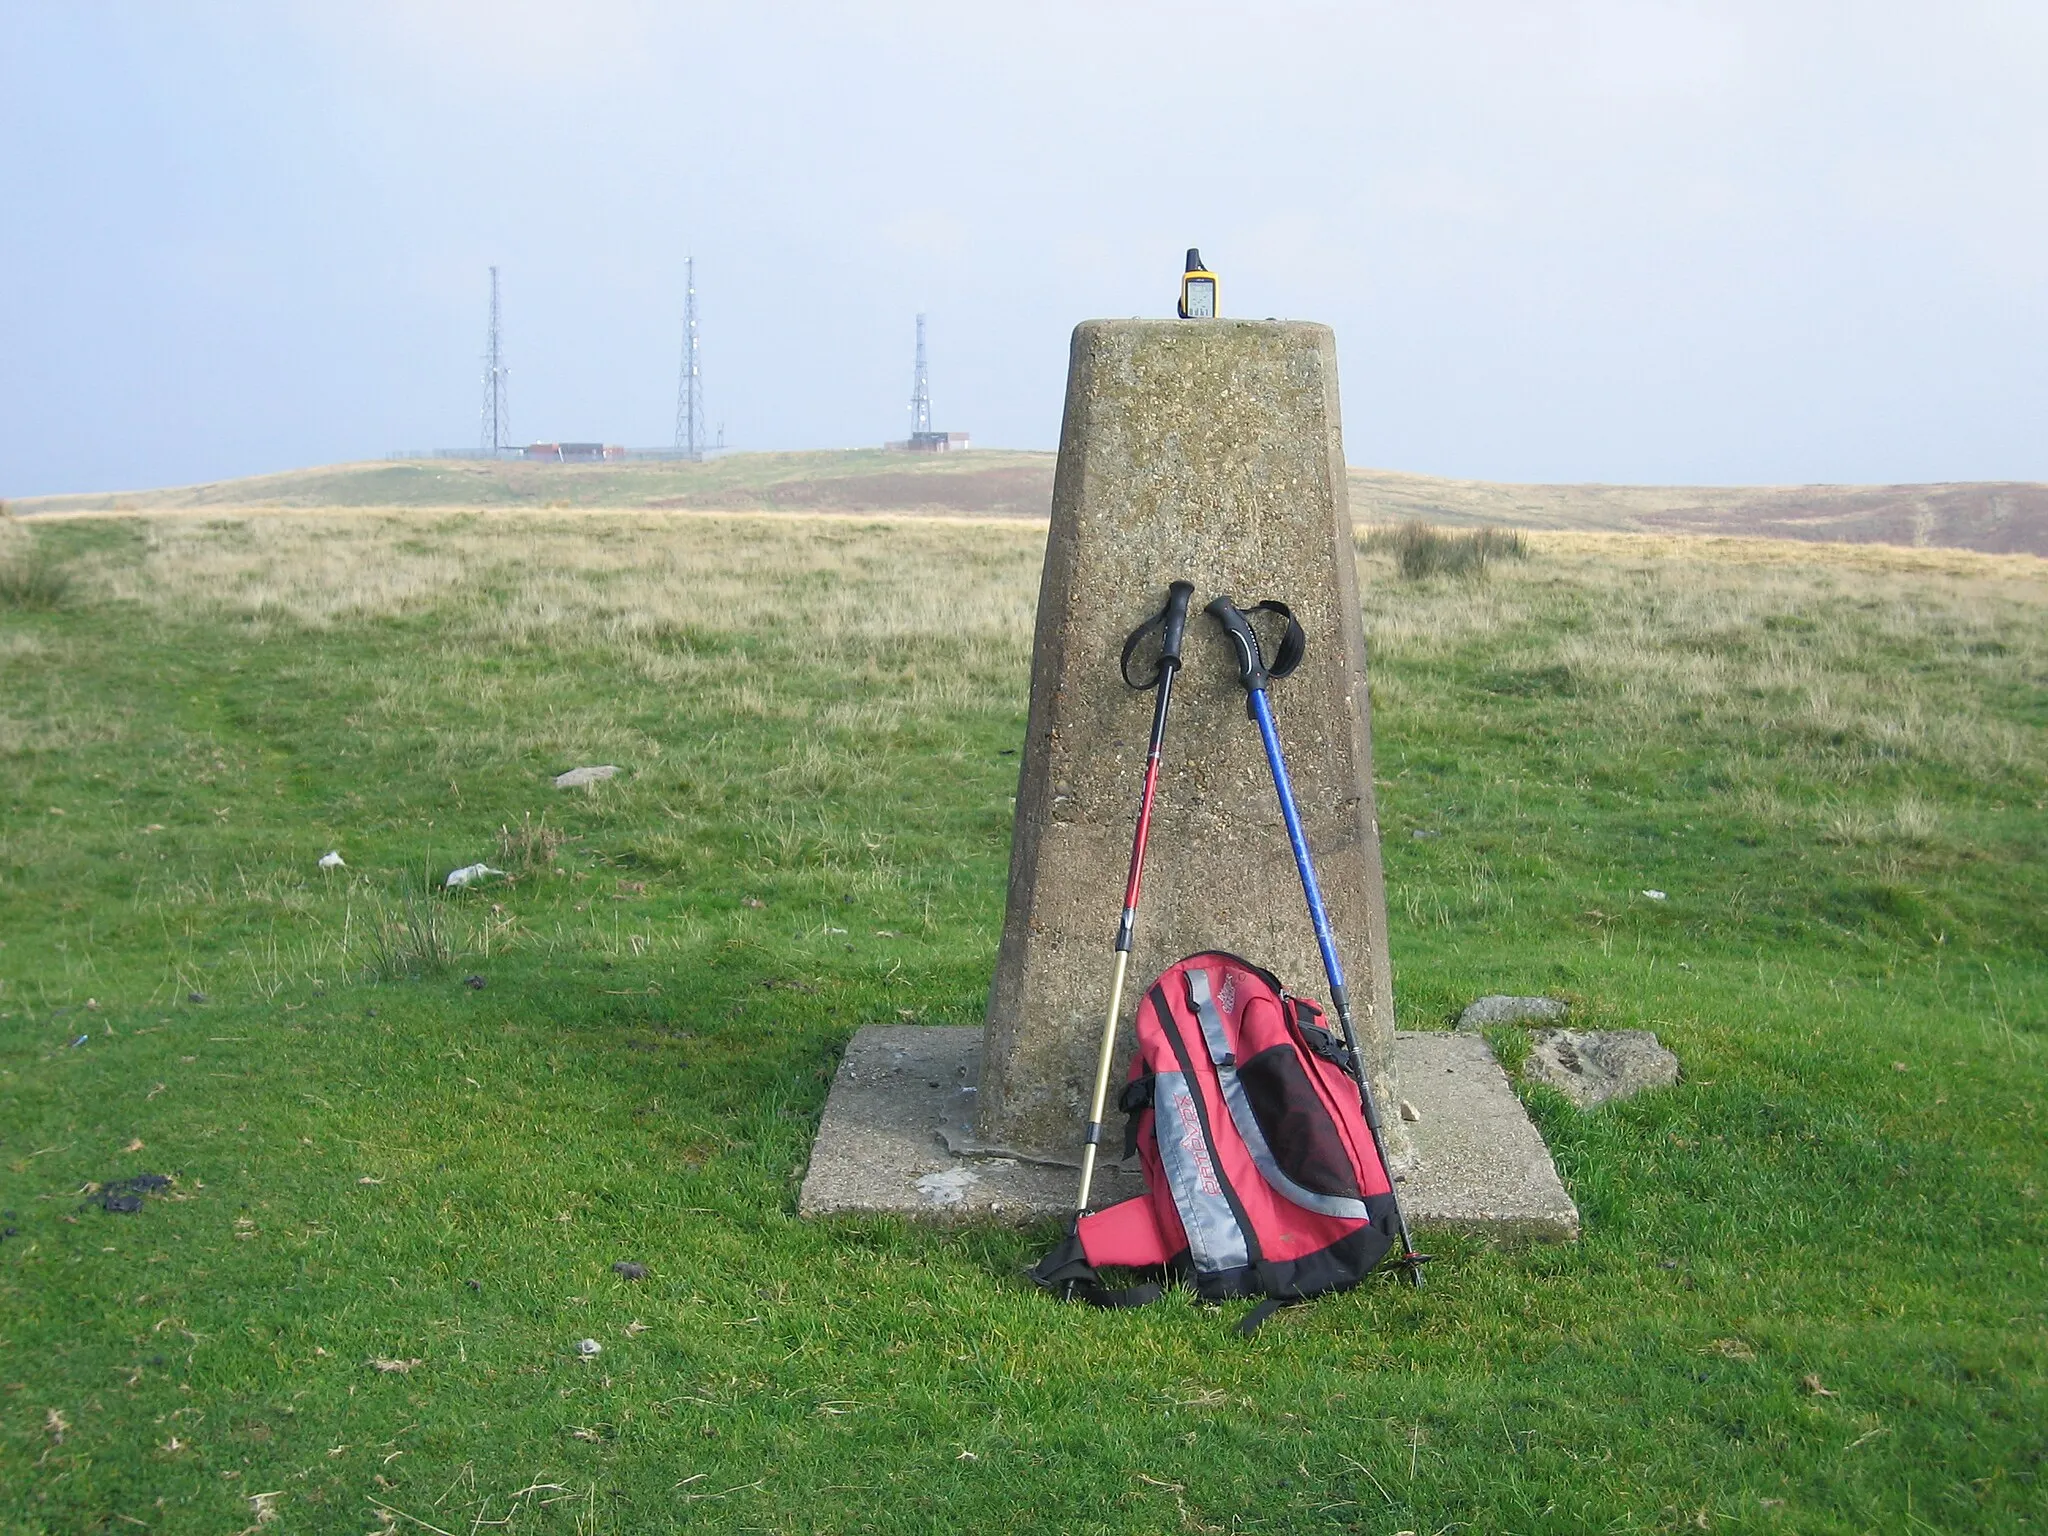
<point>1171,622</point>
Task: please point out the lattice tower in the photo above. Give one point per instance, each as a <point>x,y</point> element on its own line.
<point>690,436</point>
<point>495,432</point>
<point>920,389</point>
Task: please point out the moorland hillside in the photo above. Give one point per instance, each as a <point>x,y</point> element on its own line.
<point>1997,517</point>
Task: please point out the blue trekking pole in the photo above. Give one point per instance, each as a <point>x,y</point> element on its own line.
<point>1254,673</point>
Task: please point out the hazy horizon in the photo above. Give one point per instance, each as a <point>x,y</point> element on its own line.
<point>1647,243</point>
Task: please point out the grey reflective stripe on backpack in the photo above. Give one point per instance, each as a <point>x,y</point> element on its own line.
<point>1248,1128</point>
<point>1215,1241</point>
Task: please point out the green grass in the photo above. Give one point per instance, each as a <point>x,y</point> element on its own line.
<point>1811,1295</point>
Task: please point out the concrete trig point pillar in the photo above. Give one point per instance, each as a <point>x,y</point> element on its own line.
<point>1211,451</point>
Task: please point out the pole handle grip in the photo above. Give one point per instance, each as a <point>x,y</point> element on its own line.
<point>1172,623</point>
<point>1253,670</point>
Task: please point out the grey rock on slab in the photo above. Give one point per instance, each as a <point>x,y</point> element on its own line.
<point>1498,1009</point>
<point>1595,1066</point>
<point>1210,451</point>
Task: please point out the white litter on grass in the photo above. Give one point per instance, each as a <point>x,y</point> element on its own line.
<point>1654,895</point>
<point>588,1347</point>
<point>332,860</point>
<point>469,874</point>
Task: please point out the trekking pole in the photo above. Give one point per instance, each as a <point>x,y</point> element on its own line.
<point>1171,622</point>
<point>1254,673</point>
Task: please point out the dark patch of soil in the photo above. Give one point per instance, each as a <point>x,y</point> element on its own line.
<point>124,1196</point>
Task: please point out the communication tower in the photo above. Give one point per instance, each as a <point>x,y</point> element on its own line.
<point>496,433</point>
<point>920,391</point>
<point>690,387</point>
<point>922,438</point>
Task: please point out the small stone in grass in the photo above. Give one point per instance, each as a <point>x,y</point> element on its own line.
<point>626,1269</point>
<point>1900,1066</point>
<point>474,983</point>
<point>1592,1067</point>
<point>195,997</point>
<point>1497,1008</point>
<point>579,778</point>
<point>588,1348</point>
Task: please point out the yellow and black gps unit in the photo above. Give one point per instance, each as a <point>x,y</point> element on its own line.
<point>1197,289</point>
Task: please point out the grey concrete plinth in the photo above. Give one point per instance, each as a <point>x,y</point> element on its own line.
<point>904,1100</point>
<point>1210,451</point>
<point>1482,1166</point>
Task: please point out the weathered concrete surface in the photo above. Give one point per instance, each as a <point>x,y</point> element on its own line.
<point>1483,1167</point>
<point>1212,451</point>
<point>1593,1066</point>
<point>905,1091</point>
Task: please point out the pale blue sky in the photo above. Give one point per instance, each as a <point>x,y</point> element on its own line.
<point>1779,241</point>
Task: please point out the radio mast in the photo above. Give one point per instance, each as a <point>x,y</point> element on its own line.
<point>496,427</point>
<point>920,391</point>
<point>690,386</point>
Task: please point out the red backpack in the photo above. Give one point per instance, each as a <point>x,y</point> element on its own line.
<point>1261,1178</point>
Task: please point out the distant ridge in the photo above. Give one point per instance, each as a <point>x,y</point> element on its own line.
<point>1995,517</point>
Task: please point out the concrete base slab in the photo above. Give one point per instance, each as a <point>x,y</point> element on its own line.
<point>1484,1167</point>
<point>898,1138</point>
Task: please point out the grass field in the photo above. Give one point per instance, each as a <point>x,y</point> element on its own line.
<point>409,1132</point>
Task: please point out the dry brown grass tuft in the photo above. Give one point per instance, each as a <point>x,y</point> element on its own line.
<point>531,846</point>
<point>1775,641</point>
<point>1421,551</point>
